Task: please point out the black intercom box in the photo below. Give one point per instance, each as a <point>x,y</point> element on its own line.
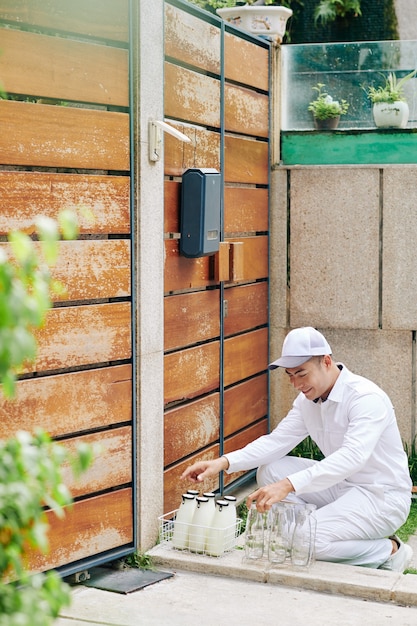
<point>200,212</point>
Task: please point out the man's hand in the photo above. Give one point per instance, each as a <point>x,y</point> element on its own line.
<point>265,497</point>
<point>205,469</point>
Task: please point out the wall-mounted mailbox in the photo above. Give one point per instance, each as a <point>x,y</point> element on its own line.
<point>200,212</point>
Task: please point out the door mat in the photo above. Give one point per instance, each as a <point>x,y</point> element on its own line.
<point>125,580</point>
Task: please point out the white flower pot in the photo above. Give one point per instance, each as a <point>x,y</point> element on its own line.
<point>258,20</point>
<point>391,114</point>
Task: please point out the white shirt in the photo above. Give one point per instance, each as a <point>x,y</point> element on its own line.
<point>355,428</point>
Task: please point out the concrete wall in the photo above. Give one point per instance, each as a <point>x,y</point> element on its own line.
<point>406,11</point>
<point>345,238</point>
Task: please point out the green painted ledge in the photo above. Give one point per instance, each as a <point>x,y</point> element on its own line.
<point>349,147</point>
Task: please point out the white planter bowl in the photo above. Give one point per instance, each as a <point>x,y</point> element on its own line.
<point>258,20</point>
<point>390,114</point>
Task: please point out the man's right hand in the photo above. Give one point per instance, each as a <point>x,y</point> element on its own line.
<point>205,469</point>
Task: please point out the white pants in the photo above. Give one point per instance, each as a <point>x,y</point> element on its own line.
<point>352,522</point>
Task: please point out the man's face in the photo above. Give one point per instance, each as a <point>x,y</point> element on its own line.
<point>312,378</point>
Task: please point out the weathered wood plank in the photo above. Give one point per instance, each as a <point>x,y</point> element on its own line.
<point>246,111</point>
<point>246,62</point>
<point>110,467</point>
<point>245,209</point>
<point>106,19</point>
<point>239,441</point>
<point>69,403</point>
<point>54,67</point>
<point>183,273</point>
<point>189,427</point>
<point>174,487</point>
<point>191,318</point>
<point>192,41</point>
<point>192,372</point>
<point>172,203</point>
<point>202,151</point>
<point>247,307</point>
<point>26,195</point>
<point>245,355</point>
<point>245,403</point>
<point>255,256</point>
<point>89,528</point>
<point>83,335</point>
<point>246,161</point>
<point>56,136</point>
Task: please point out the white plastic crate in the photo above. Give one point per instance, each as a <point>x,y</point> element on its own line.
<point>194,533</point>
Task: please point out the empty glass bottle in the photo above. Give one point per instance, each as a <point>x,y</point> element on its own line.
<point>254,534</point>
<point>302,549</point>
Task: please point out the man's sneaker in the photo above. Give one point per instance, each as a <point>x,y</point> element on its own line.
<point>400,560</point>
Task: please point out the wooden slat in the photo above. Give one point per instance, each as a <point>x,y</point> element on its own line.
<point>191,96</point>
<point>90,527</point>
<point>107,19</point>
<point>255,253</point>
<point>191,318</point>
<point>245,355</point>
<point>246,161</point>
<point>54,67</point>
<point>245,403</point>
<point>69,403</point>
<point>183,273</point>
<point>56,136</point>
<point>202,151</point>
<point>91,269</point>
<point>192,372</point>
<point>74,336</point>
<point>246,62</point>
<point>239,441</point>
<point>172,203</point>
<point>190,427</point>
<point>26,195</point>
<point>247,307</point>
<point>246,111</point>
<point>245,209</point>
<point>190,40</point>
<point>174,487</point>
<point>110,467</point>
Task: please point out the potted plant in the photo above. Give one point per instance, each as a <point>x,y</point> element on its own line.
<point>329,10</point>
<point>390,107</point>
<point>326,111</point>
<point>255,16</point>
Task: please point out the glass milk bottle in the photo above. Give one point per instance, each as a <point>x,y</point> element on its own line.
<point>217,534</point>
<point>202,519</point>
<point>254,534</point>
<point>302,549</point>
<point>183,520</point>
<point>212,504</point>
<point>231,529</point>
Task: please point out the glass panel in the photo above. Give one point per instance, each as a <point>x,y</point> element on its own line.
<point>347,70</point>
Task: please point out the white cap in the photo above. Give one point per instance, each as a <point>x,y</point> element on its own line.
<point>299,346</point>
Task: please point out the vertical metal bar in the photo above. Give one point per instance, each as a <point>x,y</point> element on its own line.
<point>222,307</point>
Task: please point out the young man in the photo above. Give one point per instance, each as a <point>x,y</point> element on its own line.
<point>362,488</point>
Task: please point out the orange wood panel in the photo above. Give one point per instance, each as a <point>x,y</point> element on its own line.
<point>191,318</point>
<point>189,427</point>
<point>174,486</point>
<point>246,62</point>
<point>245,355</point>
<point>192,372</point>
<point>202,151</point>
<point>111,466</point>
<point>245,403</point>
<point>246,111</point>
<point>183,273</point>
<point>107,19</point>
<point>84,335</point>
<point>172,204</point>
<point>246,161</point>
<point>239,441</point>
<point>26,195</point>
<point>54,67</point>
<point>245,209</point>
<point>255,256</point>
<point>191,96</point>
<point>191,40</point>
<point>69,403</point>
<point>57,136</point>
<point>90,527</point>
<point>247,307</point>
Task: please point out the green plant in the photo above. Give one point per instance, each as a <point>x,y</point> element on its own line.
<point>328,10</point>
<point>411,452</point>
<point>324,107</point>
<point>139,560</point>
<point>392,90</point>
